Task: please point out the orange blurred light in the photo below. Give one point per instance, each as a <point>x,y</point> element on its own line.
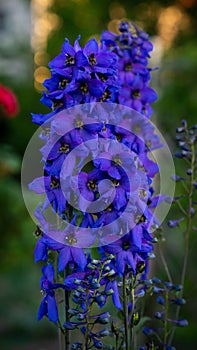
<point>171,20</point>
<point>188,3</point>
<point>117,11</point>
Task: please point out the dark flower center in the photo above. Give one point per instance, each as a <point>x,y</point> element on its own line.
<point>38,232</point>
<point>117,160</point>
<point>148,144</point>
<point>64,148</point>
<point>57,104</point>
<point>136,93</point>
<point>69,59</point>
<point>128,67</point>
<point>118,137</point>
<point>84,88</point>
<point>71,239</point>
<point>115,183</point>
<point>142,193</point>
<point>139,219</point>
<point>54,183</point>
<point>92,59</point>
<point>105,96</point>
<point>126,245</point>
<point>79,124</point>
<point>92,185</point>
<point>102,77</point>
<point>63,83</point>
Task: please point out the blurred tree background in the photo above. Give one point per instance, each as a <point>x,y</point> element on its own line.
<point>31,34</point>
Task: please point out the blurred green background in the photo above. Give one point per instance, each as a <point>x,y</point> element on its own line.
<point>31,33</point>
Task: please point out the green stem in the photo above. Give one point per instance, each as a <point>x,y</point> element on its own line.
<point>163,259</point>
<point>67,297</point>
<point>187,234</point>
<point>166,320</point>
<point>125,310</point>
<point>132,310</point>
<point>87,322</point>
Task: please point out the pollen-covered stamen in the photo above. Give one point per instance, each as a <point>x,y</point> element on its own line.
<point>115,183</point>
<point>102,77</point>
<point>105,96</point>
<point>64,148</point>
<point>63,83</point>
<point>38,232</point>
<point>54,183</point>
<point>79,124</point>
<point>92,59</point>
<point>128,67</point>
<point>126,245</point>
<point>57,104</point>
<point>136,94</point>
<point>110,208</point>
<point>117,160</point>
<point>148,144</point>
<point>84,88</point>
<point>92,185</point>
<point>142,193</point>
<point>71,239</point>
<point>139,219</point>
<point>69,59</point>
<point>118,137</point>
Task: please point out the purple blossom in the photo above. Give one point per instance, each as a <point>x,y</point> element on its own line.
<point>132,47</point>
<point>48,306</point>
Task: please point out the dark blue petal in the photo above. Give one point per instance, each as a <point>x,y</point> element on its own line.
<point>68,49</point>
<point>58,61</point>
<point>64,258</point>
<point>91,47</point>
<point>79,257</point>
<point>52,309</point>
<point>96,88</point>
<point>40,252</point>
<point>42,309</point>
<point>81,60</point>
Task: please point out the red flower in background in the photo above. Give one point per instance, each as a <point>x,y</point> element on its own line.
<point>8,102</point>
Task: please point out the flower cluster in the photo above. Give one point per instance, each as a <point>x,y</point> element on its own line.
<point>133,48</point>
<point>78,76</point>
<point>98,180</point>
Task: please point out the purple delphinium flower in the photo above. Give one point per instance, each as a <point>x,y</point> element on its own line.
<point>48,306</point>
<point>50,185</point>
<point>127,251</point>
<point>79,75</point>
<point>132,47</point>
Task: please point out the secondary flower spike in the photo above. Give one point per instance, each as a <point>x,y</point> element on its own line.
<point>133,47</point>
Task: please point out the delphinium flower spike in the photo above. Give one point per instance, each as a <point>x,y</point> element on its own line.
<point>96,169</point>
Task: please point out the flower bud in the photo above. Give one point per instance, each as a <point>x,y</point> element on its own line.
<point>160,300</point>
<point>158,315</point>
<point>168,285</point>
<point>80,317</point>
<point>98,344</point>
<point>104,333</point>
<point>111,273</point>
<point>100,299</point>
<point>109,291</point>
<point>140,267</point>
<point>189,171</point>
<point>135,319</point>
<point>156,280</point>
<point>147,331</point>
<point>180,130</point>
<point>179,301</point>
<point>103,320</point>
<point>177,287</point>
<point>182,323</point>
